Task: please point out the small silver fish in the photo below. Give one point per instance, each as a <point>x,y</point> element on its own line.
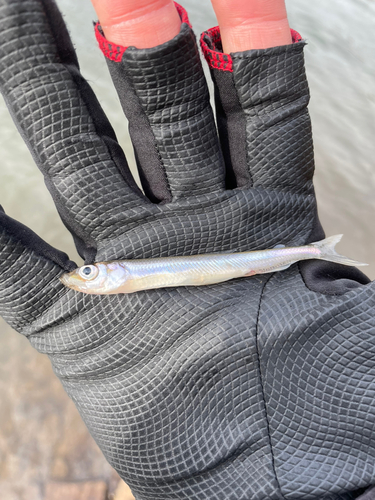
<point>128,276</point>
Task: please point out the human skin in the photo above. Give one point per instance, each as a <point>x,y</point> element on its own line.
<point>244,25</point>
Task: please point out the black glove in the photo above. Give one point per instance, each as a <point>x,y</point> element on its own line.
<point>258,388</point>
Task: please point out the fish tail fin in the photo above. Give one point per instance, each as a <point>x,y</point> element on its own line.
<point>328,252</point>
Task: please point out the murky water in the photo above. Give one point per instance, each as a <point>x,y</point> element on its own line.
<point>41,435</point>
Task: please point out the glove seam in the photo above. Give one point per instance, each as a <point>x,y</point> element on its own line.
<point>262,386</point>
<point>247,118</point>
<point>162,166</point>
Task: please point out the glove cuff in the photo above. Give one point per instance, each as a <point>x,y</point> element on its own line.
<point>113,51</point>
<point>217,59</point>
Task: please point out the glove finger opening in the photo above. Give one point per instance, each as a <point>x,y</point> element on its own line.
<point>261,103</point>
<point>165,97</point>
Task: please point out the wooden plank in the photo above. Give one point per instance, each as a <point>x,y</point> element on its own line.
<point>87,490</point>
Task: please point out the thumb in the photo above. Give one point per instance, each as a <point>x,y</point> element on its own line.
<point>29,272</point>
<point>138,23</point>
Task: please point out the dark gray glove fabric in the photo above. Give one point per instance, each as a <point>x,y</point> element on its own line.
<point>259,388</point>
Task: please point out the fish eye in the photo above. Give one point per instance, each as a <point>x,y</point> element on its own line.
<point>88,272</point>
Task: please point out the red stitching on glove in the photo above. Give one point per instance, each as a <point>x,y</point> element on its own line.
<point>110,50</point>
<point>213,51</point>
<point>115,52</point>
<point>183,14</point>
<point>296,37</point>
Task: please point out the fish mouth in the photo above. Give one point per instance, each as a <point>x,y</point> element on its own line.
<point>64,279</point>
<point>75,282</point>
<point>71,281</point>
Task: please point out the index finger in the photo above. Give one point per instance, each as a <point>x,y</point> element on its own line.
<point>61,121</point>
<point>164,95</point>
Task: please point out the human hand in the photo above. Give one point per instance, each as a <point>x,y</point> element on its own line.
<point>190,392</point>
<point>255,24</point>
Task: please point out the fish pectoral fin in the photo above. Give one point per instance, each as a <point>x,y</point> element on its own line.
<point>279,246</point>
<point>273,270</point>
<point>250,273</point>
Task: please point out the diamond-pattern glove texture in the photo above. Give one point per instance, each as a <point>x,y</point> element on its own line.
<point>259,388</point>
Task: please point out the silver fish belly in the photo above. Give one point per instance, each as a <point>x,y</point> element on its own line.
<point>130,276</point>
